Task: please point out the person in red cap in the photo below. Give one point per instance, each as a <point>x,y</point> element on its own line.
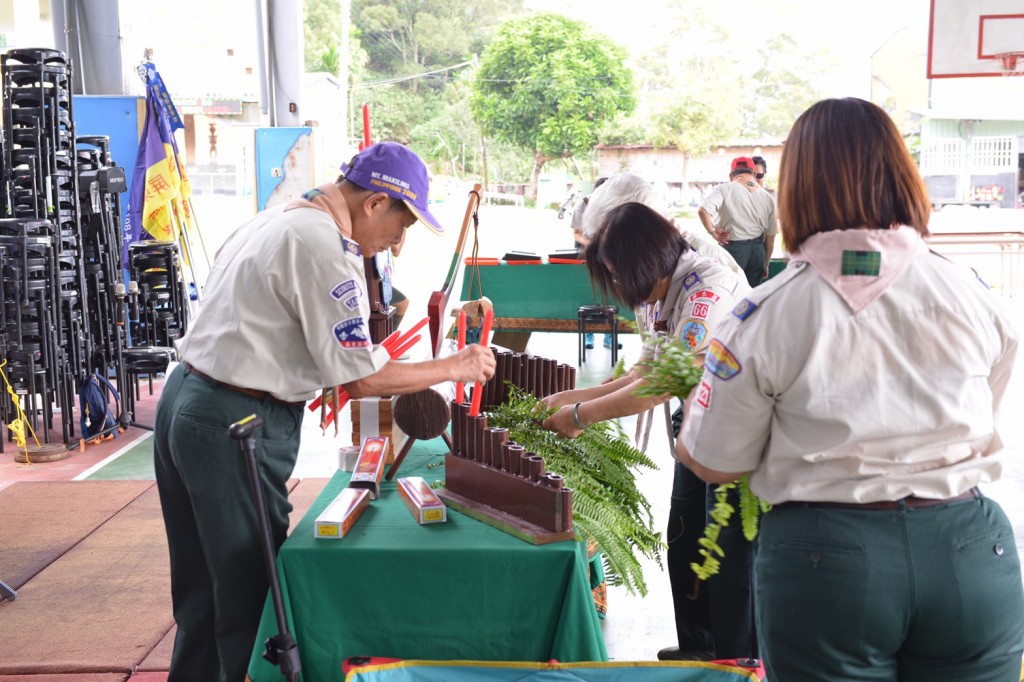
<point>284,313</point>
<point>740,214</point>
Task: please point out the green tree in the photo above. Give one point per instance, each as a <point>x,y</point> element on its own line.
<point>781,87</point>
<point>321,33</point>
<point>547,84</point>
<point>415,36</point>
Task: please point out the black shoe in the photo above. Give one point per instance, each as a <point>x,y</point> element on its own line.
<point>588,346</point>
<point>672,653</point>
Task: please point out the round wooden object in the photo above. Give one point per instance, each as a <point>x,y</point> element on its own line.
<point>50,452</point>
<point>423,415</point>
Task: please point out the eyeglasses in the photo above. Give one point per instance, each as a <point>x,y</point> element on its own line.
<point>759,176</point>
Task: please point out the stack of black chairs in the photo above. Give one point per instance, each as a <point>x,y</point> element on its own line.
<point>158,300</point>
<point>101,182</point>
<point>44,260</point>
<point>63,302</point>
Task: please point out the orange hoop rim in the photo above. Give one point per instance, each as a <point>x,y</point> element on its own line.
<point>1010,63</point>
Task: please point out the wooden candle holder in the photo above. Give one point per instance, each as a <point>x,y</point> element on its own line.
<point>498,482</point>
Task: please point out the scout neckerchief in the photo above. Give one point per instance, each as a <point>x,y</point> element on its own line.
<point>860,265</point>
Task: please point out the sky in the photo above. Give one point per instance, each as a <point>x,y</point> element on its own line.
<point>852,31</point>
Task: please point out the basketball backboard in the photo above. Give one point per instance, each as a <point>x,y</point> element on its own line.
<point>965,36</point>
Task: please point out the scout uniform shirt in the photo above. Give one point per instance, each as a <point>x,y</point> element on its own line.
<point>745,214</point>
<point>702,293</point>
<point>868,370</point>
<point>285,309</point>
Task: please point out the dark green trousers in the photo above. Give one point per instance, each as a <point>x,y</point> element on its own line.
<point>930,594</point>
<point>218,578</point>
<point>749,254</point>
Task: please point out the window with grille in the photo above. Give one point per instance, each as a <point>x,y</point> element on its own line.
<point>993,154</point>
<point>942,156</point>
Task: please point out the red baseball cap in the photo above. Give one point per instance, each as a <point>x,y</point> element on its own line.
<point>743,163</point>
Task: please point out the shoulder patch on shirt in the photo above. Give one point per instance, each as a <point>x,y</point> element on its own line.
<point>744,309</point>
<point>343,289</point>
<point>352,303</point>
<point>721,362</point>
<point>700,310</point>
<point>352,333</point>
<point>311,194</point>
<point>703,396</point>
<point>709,296</point>
<point>691,279</point>
<point>351,248</point>
<point>693,333</point>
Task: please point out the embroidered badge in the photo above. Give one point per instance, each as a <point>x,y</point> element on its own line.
<point>351,248</point>
<point>744,309</point>
<point>701,310</point>
<point>867,263</point>
<point>693,334</point>
<point>352,303</point>
<point>352,333</point>
<point>721,362</point>
<point>703,396</point>
<point>691,280</point>
<point>343,289</point>
<point>309,195</point>
<point>711,296</point>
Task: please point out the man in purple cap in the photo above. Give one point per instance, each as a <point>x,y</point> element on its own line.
<point>284,313</point>
<point>740,215</point>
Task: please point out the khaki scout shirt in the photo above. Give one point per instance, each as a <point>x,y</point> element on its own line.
<point>702,293</point>
<point>857,380</point>
<point>285,309</point>
<point>745,214</point>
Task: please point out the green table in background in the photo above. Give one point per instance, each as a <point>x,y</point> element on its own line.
<point>458,590</point>
<point>537,298</point>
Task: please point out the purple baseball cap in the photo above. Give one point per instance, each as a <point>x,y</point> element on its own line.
<point>394,169</point>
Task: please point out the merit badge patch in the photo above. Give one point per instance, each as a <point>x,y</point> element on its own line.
<point>868,263</point>
<point>744,309</point>
<point>351,248</point>
<point>701,310</point>
<point>691,280</point>
<point>721,362</point>
<point>352,333</point>
<point>693,334</point>
<point>709,296</point>
<point>343,289</point>
<point>703,396</point>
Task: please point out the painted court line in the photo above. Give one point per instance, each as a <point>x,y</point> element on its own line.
<point>99,465</point>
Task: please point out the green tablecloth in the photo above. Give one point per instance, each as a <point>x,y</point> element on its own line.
<point>459,590</point>
<point>550,291</point>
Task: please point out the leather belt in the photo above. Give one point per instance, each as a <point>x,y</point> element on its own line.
<point>747,241</point>
<point>911,502</point>
<point>251,392</point>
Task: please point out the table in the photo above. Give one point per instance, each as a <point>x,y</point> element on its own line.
<point>542,297</point>
<point>459,590</point>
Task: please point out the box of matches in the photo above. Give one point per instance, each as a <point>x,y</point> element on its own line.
<point>341,514</point>
<point>425,505</point>
<point>370,465</point>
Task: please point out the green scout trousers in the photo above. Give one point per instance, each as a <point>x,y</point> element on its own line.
<point>907,594</point>
<point>218,578</point>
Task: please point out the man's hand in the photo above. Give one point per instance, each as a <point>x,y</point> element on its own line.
<point>721,235</point>
<point>562,423</point>
<point>474,363</point>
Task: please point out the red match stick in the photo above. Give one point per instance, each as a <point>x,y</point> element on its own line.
<point>478,391</point>
<point>460,387</point>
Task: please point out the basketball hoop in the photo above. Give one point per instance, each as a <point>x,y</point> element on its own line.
<point>1011,63</point>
